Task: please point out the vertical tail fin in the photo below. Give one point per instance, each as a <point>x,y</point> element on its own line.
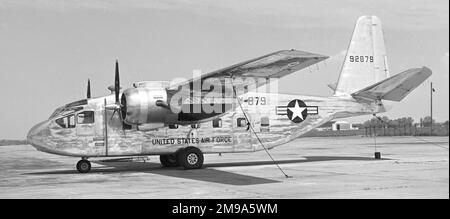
<point>366,60</point>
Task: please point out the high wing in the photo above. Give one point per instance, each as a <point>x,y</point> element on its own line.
<point>273,65</point>
<point>192,93</point>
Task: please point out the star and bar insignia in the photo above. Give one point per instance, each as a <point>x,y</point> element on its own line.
<point>297,110</point>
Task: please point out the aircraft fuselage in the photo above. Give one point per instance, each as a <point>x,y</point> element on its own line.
<point>275,118</point>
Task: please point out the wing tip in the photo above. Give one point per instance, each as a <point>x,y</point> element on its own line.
<point>306,54</point>
<point>427,70</point>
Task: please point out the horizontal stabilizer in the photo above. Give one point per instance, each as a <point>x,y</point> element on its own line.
<point>396,87</point>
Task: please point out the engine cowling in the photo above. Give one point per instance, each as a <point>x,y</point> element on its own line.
<point>139,106</point>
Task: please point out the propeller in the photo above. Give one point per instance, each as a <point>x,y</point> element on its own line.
<point>117,105</point>
<point>88,94</point>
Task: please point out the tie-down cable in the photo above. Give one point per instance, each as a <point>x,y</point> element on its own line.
<point>256,135</point>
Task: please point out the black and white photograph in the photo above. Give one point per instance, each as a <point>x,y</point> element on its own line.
<point>224,100</point>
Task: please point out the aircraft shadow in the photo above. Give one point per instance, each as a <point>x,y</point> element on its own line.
<point>306,159</point>
<point>206,174</point>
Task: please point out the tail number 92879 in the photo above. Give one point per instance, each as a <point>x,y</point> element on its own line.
<point>361,58</point>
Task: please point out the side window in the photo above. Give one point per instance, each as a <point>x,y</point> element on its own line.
<point>86,117</point>
<point>265,121</point>
<point>217,123</point>
<point>66,122</point>
<point>71,121</point>
<point>241,122</point>
<point>174,126</point>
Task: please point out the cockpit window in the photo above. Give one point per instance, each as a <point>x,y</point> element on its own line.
<point>65,111</point>
<point>69,108</point>
<point>85,117</point>
<point>66,122</point>
<point>57,112</point>
<point>77,103</point>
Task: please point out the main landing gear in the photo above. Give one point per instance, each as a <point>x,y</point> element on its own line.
<point>188,158</point>
<point>83,166</point>
<point>169,160</point>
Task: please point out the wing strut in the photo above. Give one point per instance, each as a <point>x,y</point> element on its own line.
<point>249,126</point>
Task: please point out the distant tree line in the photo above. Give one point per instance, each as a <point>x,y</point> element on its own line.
<point>5,142</point>
<point>403,126</point>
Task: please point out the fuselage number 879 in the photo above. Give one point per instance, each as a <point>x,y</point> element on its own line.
<point>361,58</point>
<point>256,101</point>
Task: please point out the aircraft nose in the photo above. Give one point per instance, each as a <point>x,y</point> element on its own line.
<point>35,135</point>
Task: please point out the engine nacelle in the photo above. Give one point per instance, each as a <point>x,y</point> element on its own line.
<point>139,106</point>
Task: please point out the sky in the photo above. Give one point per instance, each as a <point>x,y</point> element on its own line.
<point>49,48</point>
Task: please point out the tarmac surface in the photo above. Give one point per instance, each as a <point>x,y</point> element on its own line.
<point>342,167</point>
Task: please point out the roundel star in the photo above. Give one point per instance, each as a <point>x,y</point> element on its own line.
<point>297,111</point>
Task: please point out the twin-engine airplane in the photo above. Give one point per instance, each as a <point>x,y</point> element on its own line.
<point>220,112</point>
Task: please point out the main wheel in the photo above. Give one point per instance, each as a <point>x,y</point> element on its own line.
<point>83,166</point>
<point>190,158</point>
<point>169,160</point>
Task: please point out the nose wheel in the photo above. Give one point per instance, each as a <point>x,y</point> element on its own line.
<point>83,166</point>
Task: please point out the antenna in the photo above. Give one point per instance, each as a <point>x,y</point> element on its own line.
<point>88,92</point>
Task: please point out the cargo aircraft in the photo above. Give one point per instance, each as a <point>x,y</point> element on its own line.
<point>221,112</point>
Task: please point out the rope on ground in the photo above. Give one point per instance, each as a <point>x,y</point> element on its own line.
<point>429,142</point>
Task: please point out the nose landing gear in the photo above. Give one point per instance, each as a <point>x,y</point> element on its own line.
<point>83,166</point>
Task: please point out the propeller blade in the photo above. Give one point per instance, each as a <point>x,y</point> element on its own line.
<point>88,94</point>
<point>119,111</point>
<point>114,112</point>
<point>121,119</point>
<point>117,82</point>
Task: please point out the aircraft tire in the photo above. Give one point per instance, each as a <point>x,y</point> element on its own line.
<point>190,158</point>
<point>169,160</point>
<point>84,166</point>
